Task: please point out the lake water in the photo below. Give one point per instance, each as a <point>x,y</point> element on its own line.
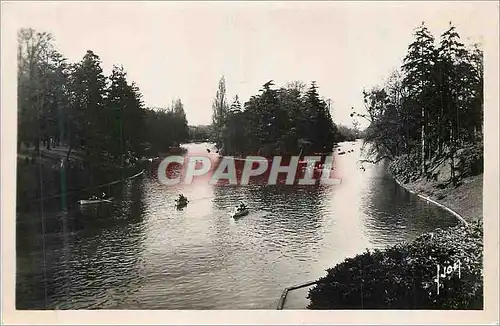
<point>143,253</point>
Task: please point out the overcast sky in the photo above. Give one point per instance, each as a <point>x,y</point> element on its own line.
<point>180,50</point>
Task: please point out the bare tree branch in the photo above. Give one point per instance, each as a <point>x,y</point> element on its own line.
<point>377,160</point>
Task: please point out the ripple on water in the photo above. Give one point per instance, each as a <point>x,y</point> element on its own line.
<point>145,254</point>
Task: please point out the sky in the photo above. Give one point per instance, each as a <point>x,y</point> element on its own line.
<point>180,50</point>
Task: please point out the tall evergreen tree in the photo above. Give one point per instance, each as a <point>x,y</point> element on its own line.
<point>125,117</point>
<point>90,124</point>
<point>418,68</point>
<point>453,88</point>
<point>321,129</point>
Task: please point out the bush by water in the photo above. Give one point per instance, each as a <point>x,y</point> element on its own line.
<point>402,276</point>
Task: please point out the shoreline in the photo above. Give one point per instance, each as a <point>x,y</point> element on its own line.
<point>135,171</point>
<point>462,242</point>
<point>426,190</point>
<point>464,201</point>
<point>458,216</point>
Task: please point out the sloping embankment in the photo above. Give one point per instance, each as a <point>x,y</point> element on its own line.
<point>466,199</point>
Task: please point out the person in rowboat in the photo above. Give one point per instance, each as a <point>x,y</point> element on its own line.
<point>242,207</point>
<point>182,199</point>
<point>95,197</point>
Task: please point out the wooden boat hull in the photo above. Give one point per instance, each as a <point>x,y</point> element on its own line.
<point>240,213</point>
<point>181,205</point>
<point>93,202</point>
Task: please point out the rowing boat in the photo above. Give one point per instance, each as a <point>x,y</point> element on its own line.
<point>94,201</point>
<point>240,213</point>
<point>181,204</point>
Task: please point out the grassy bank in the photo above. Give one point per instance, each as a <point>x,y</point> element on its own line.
<point>459,188</point>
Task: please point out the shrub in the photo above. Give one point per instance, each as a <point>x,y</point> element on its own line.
<point>402,276</point>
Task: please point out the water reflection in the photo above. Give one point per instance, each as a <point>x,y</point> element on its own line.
<point>391,223</point>
<point>91,256</point>
<point>143,253</point>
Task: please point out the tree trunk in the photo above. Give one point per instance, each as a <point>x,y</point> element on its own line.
<point>423,142</point>
<point>69,153</point>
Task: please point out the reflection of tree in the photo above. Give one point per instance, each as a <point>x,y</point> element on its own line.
<point>88,257</point>
<point>133,204</point>
<point>393,214</point>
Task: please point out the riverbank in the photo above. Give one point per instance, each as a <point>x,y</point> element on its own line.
<point>466,199</point>
<point>402,276</point>
<point>45,177</point>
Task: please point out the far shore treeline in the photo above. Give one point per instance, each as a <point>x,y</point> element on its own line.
<point>78,128</point>
<point>86,128</point>
<point>76,106</point>
<point>102,120</point>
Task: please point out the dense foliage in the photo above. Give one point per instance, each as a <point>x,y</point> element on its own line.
<point>77,107</point>
<point>349,134</point>
<point>166,127</point>
<point>200,133</point>
<point>432,108</point>
<point>402,276</point>
<point>288,120</point>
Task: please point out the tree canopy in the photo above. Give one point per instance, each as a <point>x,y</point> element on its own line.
<point>431,108</point>
<point>77,106</point>
<point>288,120</point>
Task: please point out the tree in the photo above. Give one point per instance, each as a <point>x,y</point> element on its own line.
<point>273,119</point>
<point>166,127</point>
<point>418,68</point>
<point>475,79</point>
<point>35,51</point>
<point>432,108</point>
<point>219,112</point>
<point>321,130</point>
<point>181,126</point>
<point>287,120</point>
<point>125,117</point>
<point>90,122</point>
